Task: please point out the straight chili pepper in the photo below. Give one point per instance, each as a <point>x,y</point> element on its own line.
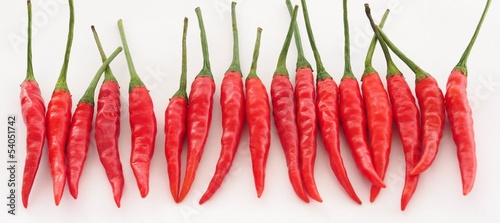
<point>460,114</point>
<point>201,100</point>
<point>406,116</point>
<point>81,126</point>
<point>306,115</point>
<point>175,124</point>
<point>232,102</point>
<point>142,123</point>
<point>33,110</point>
<point>107,127</point>
<point>258,115</point>
<point>284,113</point>
<point>58,120</point>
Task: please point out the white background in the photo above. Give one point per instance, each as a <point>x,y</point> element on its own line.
<point>433,33</point>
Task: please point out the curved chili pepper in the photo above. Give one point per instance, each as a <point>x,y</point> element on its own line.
<point>201,100</point>
<point>258,112</point>
<point>306,115</point>
<point>460,114</point>
<point>232,102</point>
<point>58,120</point>
<point>81,126</point>
<point>142,123</point>
<point>33,111</point>
<point>175,124</point>
<point>107,128</point>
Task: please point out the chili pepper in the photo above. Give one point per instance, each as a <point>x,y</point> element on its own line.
<point>107,127</point>
<point>232,102</point>
<point>306,115</point>
<point>406,116</point>
<point>79,131</point>
<point>353,118</point>
<point>258,112</point>
<point>379,117</point>
<point>142,123</point>
<point>33,110</point>
<point>460,114</point>
<point>175,124</point>
<point>284,113</point>
<point>58,120</point>
<point>199,114</point>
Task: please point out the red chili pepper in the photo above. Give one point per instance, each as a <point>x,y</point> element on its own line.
<point>107,128</point>
<point>258,112</point>
<point>232,102</point>
<point>201,100</point>
<point>142,123</point>
<point>79,131</point>
<point>306,115</point>
<point>33,110</point>
<point>58,120</point>
<point>175,124</point>
<point>460,114</point>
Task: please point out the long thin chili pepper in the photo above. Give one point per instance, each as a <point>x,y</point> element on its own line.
<point>379,117</point>
<point>353,118</point>
<point>306,115</point>
<point>327,108</point>
<point>201,100</point>
<point>33,110</point>
<point>460,114</point>
<point>284,113</point>
<point>175,124</point>
<point>258,112</point>
<point>406,115</point>
<point>81,126</point>
<point>232,102</point>
<point>142,123</point>
<point>107,127</point>
<point>58,120</point>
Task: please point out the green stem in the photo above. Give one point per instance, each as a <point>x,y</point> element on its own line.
<point>253,68</point>
<point>183,82</point>
<point>235,64</point>
<point>281,67</point>
<point>61,84</point>
<point>29,71</point>
<point>301,59</point>
<point>205,71</point>
<point>321,71</point>
<point>462,63</point>
<point>88,97</point>
<point>135,81</point>
<point>108,75</point>
<point>347,45</point>
<point>371,49</point>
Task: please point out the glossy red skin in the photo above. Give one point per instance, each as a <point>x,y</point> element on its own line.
<point>327,105</point>
<point>33,111</point>
<point>258,113</point>
<point>306,123</point>
<point>284,113</point>
<point>106,133</point>
<point>407,118</point>
<point>78,144</point>
<point>58,121</point>
<point>143,128</point>
<point>353,119</point>
<point>175,132</point>
<point>462,126</point>
<point>232,100</point>
<point>201,100</point>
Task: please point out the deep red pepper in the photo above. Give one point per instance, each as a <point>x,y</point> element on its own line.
<point>175,124</point>
<point>142,123</point>
<point>58,120</point>
<point>201,100</point>
<point>33,111</point>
